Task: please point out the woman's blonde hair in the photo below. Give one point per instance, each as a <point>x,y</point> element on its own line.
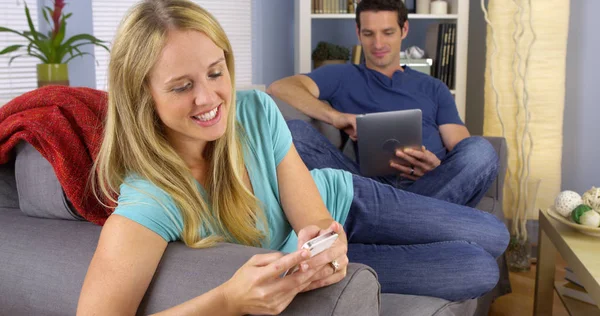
<point>134,142</point>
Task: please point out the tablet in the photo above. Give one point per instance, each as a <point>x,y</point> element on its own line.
<point>380,134</point>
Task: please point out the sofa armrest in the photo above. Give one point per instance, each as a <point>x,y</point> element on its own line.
<point>184,273</point>
<point>44,262</point>
<point>290,113</point>
<point>496,190</point>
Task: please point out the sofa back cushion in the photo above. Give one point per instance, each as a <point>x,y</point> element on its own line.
<point>39,192</point>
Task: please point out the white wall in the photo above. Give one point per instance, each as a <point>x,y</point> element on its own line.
<point>272,40</point>
<point>581,146</point>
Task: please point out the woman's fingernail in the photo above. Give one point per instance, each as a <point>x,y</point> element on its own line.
<point>304,266</point>
<point>305,253</point>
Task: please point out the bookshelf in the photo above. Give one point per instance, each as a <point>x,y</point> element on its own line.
<point>303,29</point>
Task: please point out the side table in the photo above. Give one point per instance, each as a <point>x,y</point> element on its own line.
<point>582,253</point>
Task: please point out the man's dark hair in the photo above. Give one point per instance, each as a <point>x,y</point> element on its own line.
<point>383,5</point>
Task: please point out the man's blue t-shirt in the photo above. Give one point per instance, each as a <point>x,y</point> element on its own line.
<point>357,89</point>
<point>268,140</point>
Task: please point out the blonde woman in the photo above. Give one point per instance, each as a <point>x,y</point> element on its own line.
<point>190,159</point>
<point>181,163</point>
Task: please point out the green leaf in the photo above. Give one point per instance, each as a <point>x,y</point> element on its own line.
<point>66,16</point>
<point>76,48</point>
<point>56,44</point>
<point>77,55</point>
<point>60,36</point>
<point>46,15</point>
<point>5,29</point>
<point>10,49</point>
<point>43,46</point>
<point>39,35</point>
<point>81,37</point>
<point>41,56</point>
<point>13,58</point>
<point>30,22</point>
<point>79,40</point>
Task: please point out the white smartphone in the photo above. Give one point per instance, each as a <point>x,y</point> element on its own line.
<point>315,246</point>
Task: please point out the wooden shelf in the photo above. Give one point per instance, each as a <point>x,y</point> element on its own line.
<point>410,16</point>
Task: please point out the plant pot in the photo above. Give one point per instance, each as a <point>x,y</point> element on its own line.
<point>52,74</point>
<point>319,63</point>
<point>518,254</point>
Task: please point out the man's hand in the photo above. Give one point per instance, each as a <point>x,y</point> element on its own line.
<point>347,123</point>
<point>420,162</point>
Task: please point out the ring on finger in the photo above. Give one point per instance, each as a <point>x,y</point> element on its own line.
<point>335,265</point>
<point>412,171</point>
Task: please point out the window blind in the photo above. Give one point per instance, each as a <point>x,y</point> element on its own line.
<point>233,15</point>
<point>20,76</point>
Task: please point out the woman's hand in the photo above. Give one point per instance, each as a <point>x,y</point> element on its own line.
<point>325,274</point>
<point>258,288</point>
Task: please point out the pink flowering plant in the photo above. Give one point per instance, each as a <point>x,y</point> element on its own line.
<point>51,48</point>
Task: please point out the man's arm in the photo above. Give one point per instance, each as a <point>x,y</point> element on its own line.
<point>452,134</point>
<point>302,93</point>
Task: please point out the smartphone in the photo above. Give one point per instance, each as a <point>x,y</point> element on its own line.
<point>315,246</point>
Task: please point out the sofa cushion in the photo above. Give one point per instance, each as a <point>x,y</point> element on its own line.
<point>8,186</point>
<point>44,263</point>
<point>411,305</point>
<point>40,193</point>
<point>488,204</point>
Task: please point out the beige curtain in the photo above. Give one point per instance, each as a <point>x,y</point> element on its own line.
<point>525,73</point>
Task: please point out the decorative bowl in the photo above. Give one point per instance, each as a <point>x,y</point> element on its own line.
<point>592,231</point>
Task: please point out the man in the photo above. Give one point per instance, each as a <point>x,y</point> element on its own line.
<point>451,166</point>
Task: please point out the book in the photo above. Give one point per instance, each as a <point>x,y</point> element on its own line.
<point>433,46</point>
<point>577,292</point>
<point>451,62</point>
<point>445,54</point>
<point>356,54</point>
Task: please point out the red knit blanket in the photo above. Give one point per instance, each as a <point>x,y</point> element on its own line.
<point>65,125</point>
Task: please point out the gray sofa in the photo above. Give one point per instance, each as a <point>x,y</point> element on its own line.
<point>43,261</point>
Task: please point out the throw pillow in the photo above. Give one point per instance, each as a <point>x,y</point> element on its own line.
<point>40,193</point>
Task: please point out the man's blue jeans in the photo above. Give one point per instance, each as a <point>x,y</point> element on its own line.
<point>420,245</point>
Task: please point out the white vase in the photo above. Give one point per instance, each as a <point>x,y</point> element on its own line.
<point>422,6</point>
<point>438,7</point>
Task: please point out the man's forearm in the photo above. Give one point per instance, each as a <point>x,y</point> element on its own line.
<point>294,93</point>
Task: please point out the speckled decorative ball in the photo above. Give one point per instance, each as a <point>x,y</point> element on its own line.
<point>592,198</point>
<point>566,201</point>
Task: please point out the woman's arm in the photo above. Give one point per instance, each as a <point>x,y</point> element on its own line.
<point>128,254</point>
<point>309,217</point>
<point>122,268</point>
<point>299,195</point>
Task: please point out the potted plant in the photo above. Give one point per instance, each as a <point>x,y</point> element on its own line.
<point>327,53</point>
<point>52,49</point>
